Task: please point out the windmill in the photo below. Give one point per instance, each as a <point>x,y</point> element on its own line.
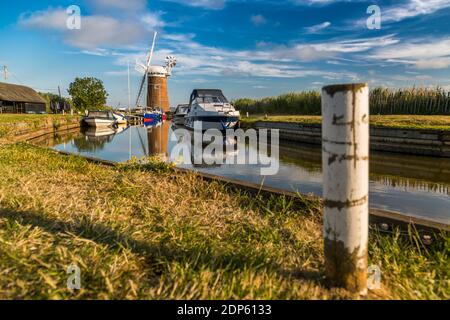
<point>156,76</point>
<point>146,68</point>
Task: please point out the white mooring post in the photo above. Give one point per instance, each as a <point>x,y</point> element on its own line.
<point>345,143</point>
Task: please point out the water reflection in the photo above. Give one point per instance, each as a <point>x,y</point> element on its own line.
<point>418,186</point>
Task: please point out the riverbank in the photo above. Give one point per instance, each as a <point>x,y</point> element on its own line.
<point>145,232</point>
<point>409,122</point>
<point>20,127</point>
<point>419,135</point>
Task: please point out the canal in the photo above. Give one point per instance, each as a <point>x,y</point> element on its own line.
<point>411,185</point>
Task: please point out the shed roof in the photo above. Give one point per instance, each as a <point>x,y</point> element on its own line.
<point>15,93</point>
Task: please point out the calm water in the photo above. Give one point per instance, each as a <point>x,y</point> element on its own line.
<point>412,185</point>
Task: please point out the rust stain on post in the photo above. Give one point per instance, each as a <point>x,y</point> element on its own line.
<point>344,268</point>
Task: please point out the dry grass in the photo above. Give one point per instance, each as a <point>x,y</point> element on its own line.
<point>137,234</point>
<point>385,121</point>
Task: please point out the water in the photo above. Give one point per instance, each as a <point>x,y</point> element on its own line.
<point>412,185</point>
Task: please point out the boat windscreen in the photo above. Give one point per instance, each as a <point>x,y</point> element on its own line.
<point>100,114</point>
<point>208,98</point>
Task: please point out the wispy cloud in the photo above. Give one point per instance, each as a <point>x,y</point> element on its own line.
<point>318,27</point>
<point>258,20</point>
<point>205,4</point>
<point>421,54</point>
<point>413,8</point>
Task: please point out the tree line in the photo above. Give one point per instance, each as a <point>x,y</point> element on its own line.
<point>85,94</point>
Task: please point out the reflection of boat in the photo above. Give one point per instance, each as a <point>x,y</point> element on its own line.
<point>121,128</point>
<point>180,114</point>
<point>120,118</point>
<point>99,132</point>
<point>153,117</point>
<point>100,119</point>
<point>219,149</point>
<point>212,110</point>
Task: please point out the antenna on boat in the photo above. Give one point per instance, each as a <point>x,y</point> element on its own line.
<point>146,67</point>
<point>129,89</point>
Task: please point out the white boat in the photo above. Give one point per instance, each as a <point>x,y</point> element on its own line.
<point>210,109</point>
<point>100,119</point>
<point>180,114</point>
<point>121,119</point>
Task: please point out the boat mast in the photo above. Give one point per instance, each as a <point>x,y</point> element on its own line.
<point>129,89</point>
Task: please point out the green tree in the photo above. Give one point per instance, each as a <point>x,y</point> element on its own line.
<point>88,93</point>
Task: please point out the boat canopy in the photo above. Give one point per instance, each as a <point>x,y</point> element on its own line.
<point>101,114</point>
<point>208,96</point>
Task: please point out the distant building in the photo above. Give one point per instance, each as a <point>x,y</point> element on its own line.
<point>20,99</point>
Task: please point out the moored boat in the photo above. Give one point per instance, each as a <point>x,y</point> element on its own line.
<point>121,119</point>
<point>100,119</point>
<point>210,109</point>
<point>180,114</point>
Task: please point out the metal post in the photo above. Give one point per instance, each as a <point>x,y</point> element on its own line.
<point>345,134</point>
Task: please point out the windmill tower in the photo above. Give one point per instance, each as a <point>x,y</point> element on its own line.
<point>157,76</point>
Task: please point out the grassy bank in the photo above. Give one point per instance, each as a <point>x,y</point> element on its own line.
<point>393,121</point>
<point>13,124</point>
<point>144,232</point>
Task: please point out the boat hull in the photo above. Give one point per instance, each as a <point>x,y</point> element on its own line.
<point>98,122</point>
<point>179,119</point>
<point>212,122</point>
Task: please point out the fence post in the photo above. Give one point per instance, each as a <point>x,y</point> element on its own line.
<point>345,135</point>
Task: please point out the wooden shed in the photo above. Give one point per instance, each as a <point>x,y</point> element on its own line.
<point>20,99</point>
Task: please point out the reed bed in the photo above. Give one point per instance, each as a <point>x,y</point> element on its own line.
<point>383,101</point>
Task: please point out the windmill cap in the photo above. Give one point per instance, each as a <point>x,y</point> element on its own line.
<point>157,71</point>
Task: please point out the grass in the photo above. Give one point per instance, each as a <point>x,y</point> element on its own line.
<point>144,232</point>
<point>384,121</point>
<point>383,101</point>
<point>11,124</point>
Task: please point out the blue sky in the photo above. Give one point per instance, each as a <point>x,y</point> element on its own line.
<point>247,48</point>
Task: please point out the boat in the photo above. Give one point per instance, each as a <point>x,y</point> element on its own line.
<point>211,109</point>
<point>121,119</point>
<point>100,119</point>
<point>153,117</point>
<point>180,114</point>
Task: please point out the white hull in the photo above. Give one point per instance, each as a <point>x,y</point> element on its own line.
<point>207,125</point>
<point>97,122</point>
<point>120,119</point>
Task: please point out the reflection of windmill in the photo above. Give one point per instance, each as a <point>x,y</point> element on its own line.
<point>156,76</point>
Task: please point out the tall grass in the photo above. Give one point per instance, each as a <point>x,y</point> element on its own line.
<point>418,101</point>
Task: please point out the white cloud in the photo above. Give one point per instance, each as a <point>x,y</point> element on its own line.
<point>205,4</point>
<point>258,20</point>
<point>54,19</point>
<point>153,20</point>
<point>127,5</point>
<point>427,54</point>
<point>413,8</point>
<point>97,31</point>
<point>318,27</point>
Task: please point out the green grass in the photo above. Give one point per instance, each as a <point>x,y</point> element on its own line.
<point>144,232</point>
<point>384,121</point>
<point>12,124</point>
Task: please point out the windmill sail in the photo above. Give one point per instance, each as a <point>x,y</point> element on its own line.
<point>146,67</point>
